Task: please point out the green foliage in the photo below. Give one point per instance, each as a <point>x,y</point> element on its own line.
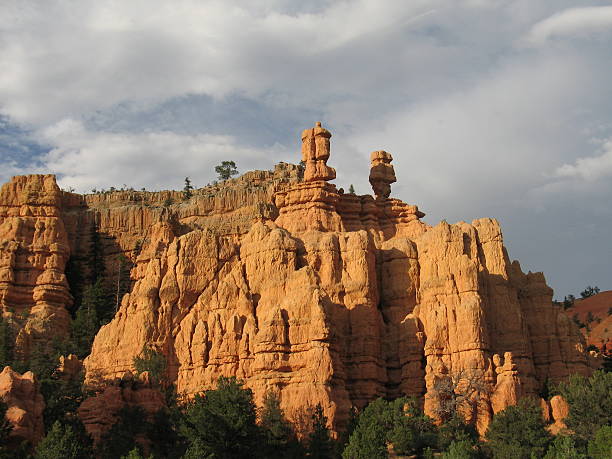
<point>351,189</point>
<point>518,432</point>
<point>96,256</point>
<point>590,402</point>
<point>133,454</point>
<point>162,432</point>
<point>226,170</point>
<point>568,301</point>
<point>563,447</point>
<point>187,189</point>
<point>222,422</point>
<point>461,449</point>
<point>94,311</point>
<point>62,442</point>
<point>6,343</point>
<point>369,439</point>
<point>455,430</point>
<point>121,438</point>
<point>600,447</point>
<point>320,445</point>
<point>589,291</point>
<point>399,422</point>
<point>280,440</point>
<point>152,361</point>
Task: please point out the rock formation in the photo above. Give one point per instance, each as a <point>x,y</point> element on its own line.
<point>99,413</point>
<point>331,298</point>
<point>25,405</point>
<point>382,174</point>
<point>34,249</point>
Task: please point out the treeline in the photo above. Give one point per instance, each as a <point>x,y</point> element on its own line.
<point>224,423</point>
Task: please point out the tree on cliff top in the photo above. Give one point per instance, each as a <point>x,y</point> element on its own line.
<point>187,189</point>
<point>589,291</point>
<point>226,170</point>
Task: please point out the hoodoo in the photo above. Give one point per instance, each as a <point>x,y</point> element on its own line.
<point>283,281</point>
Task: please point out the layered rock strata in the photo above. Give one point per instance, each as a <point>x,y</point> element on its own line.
<point>34,249</point>
<point>325,297</point>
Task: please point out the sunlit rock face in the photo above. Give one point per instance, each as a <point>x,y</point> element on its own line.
<point>288,283</point>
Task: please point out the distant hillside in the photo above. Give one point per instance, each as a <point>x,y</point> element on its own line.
<point>594,313</point>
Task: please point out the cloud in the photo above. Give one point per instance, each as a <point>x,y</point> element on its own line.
<point>572,22</point>
<point>83,159</point>
<point>589,168</point>
<point>489,107</point>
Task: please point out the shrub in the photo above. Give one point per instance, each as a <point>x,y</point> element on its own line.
<point>600,447</point>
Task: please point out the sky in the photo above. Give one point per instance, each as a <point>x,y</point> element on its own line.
<point>490,108</point>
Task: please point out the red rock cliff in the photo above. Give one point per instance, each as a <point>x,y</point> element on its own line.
<point>288,283</point>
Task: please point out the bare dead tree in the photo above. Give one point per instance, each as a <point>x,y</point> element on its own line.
<point>459,393</point>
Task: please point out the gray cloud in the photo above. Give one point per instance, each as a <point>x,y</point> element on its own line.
<point>490,108</point>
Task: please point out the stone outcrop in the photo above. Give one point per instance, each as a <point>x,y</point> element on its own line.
<point>25,405</point>
<point>289,284</point>
<point>382,174</point>
<point>99,413</point>
<point>34,249</point>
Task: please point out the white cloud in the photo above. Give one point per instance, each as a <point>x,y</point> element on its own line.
<point>83,159</point>
<point>573,21</point>
<point>589,168</point>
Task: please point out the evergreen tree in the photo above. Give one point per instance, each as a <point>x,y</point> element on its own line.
<point>133,454</point>
<point>590,403</point>
<point>518,432</point>
<point>351,189</point>
<point>226,170</point>
<point>61,442</point>
<point>369,439</point>
<point>455,430</point>
<point>461,449</point>
<point>600,447</point>
<point>187,189</point>
<point>165,441</point>
<point>320,443</point>
<point>153,362</point>
<point>278,432</point>
<point>6,343</point>
<point>222,422</point>
<point>121,438</point>
<point>563,447</point>
<point>96,256</point>
<point>411,431</point>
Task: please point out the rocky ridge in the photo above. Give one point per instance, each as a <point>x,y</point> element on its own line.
<point>290,284</point>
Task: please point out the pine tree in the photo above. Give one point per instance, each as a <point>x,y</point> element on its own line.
<point>320,443</point>
<point>278,432</point>
<point>351,189</point>
<point>222,422</point>
<point>187,189</point>
<point>226,170</point>
<point>61,442</point>
<point>518,432</point>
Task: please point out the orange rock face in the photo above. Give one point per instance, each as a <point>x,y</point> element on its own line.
<point>25,405</point>
<point>325,297</point>
<point>34,249</point>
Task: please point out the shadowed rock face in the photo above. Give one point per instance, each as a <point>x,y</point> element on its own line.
<point>24,403</point>
<point>329,298</point>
